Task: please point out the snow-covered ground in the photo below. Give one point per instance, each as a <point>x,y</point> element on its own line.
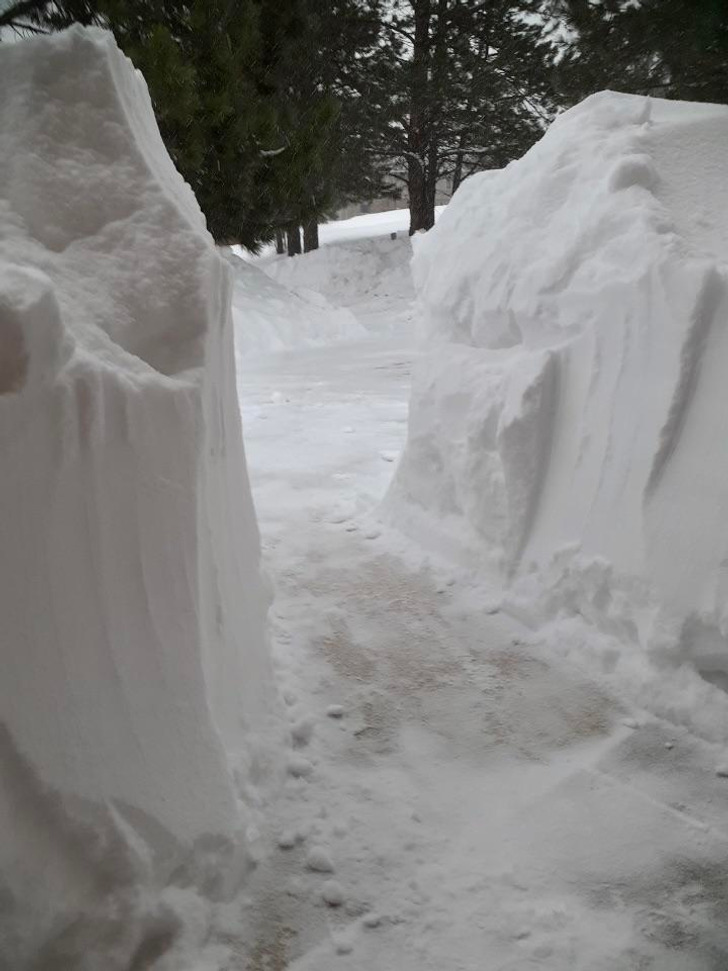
<point>455,798</point>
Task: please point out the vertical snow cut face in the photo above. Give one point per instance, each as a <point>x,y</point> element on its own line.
<point>571,415</point>
<point>136,698</point>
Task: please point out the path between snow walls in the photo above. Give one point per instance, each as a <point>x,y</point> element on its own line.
<point>457,798</point>
<point>136,698</point>
<point>567,424</point>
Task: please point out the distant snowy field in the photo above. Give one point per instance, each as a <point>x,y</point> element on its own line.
<point>367,226</point>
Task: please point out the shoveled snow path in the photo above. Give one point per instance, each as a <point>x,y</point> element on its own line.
<point>473,804</point>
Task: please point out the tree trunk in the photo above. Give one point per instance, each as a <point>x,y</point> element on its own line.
<point>310,235</point>
<point>293,235</point>
<point>431,181</point>
<point>417,137</point>
<point>280,242</point>
<point>437,76</point>
<point>417,195</point>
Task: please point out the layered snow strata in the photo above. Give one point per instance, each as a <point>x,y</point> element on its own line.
<point>135,680</point>
<point>574,397</point>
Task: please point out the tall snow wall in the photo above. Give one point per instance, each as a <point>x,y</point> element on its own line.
<point>135,689</point>
<point>569,424</point>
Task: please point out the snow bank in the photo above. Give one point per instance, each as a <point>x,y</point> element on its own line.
<point>569,423</point>
<point>349,271</point>
<point>135,681</point>
<point>269,317</point>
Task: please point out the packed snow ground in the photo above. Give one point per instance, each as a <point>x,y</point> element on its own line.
<point>455,798</point>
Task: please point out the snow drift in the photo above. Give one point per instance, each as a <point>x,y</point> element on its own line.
<point>569,423</point>
<point>135,681</point>
<point>269,317</point>
<point>350,271</point>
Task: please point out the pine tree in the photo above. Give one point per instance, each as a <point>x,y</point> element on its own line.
<point>323,47</point>
<point>666,48</point>
<point>223,100</point>
<point>462,86</point>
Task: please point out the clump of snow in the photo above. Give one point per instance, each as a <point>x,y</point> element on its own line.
<point>319,860</point>
<point>287,840</point>
<point>566,424</point>
<point>269,317</point>
<point>299,767</point>
<point>136,695</point>
<point>333,893</point>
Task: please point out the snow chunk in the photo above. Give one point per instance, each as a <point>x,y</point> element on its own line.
<point>634,170</point>
<point>287,840</point>
<point>299,767</point>
<point>302,731</point>
<point>332,893</point>
<point>319,860</point>
<point>135,670</point>
<point>343,942</point>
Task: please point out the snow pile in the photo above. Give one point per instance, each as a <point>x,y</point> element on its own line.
<point>568,424</point>
<point>135,689</point>
<point>269,317</point>
<point>349,271</point>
